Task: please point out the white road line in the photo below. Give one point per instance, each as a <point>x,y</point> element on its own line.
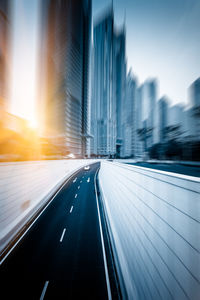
<point>71,209</point>
<point>81,181</point>
<point>21,237</point>
<point>76,196</point>
<point>62,236</point>
<point>79,187</point>
<point>102,243</point>
<point>75,180</point>
<point>44,290</point>
<point>88,179</point>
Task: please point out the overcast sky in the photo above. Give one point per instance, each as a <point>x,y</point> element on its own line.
<point>163,41</point>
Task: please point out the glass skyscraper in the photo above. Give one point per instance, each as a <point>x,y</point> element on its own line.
<point>4,51</point>
<point>65,67</point>
<point>108,87</point>
<point>129,117</point>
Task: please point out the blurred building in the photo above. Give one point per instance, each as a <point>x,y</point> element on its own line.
<point>15,123</point>
<point>103,101</point>
<point>65,51</point>
<point>129,118</point>
<point>195,108</point>
<point>163,105</point>
<point>119,85</point>
<point>175,116</point>
<point>189,129</point>
<point>139,146</point>
<point>175,122</point>
<point>108,87</point>
<point>195,93</point>
<point>4,52</point>
<point>149,99</point>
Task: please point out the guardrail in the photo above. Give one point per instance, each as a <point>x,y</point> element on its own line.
<point>25,187</point>
<point>154,222</point>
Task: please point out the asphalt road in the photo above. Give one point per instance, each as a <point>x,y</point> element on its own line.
<point>174,168</point>
<point>61,255</point>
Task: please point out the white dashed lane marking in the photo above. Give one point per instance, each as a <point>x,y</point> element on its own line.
<point>44,290</point>
<point>62,236</point>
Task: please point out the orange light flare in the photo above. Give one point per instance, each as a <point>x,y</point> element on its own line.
<point>19,139</point>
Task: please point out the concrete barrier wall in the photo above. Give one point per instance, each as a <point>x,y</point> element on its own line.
<point>25,186</point>
<point>154,220</point>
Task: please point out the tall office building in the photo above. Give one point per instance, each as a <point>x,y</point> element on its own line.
<point>65,51</point>
<point>195,93</point>
<point>139,145</point>
<point>103,102</point>
<point>188,125</point>
<point>4,52</point>
<point>149,98</point>
<point>195,108</point>
<point>129,118</point>
<point>162,118</point>
<point>119,80</point>
<point>176,118</point>
<point>109,86</point>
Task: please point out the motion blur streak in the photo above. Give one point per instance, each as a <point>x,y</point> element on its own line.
<point>155,225</point>
<point>24,23</point>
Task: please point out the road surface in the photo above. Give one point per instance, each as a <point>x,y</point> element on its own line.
<point>61,256</point>
<point>174,168</point>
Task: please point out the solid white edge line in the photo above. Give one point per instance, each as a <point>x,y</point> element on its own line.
<point>71,209</point>
<point>62,236</point>
<point>102,242</point>
<point>64,183</point>
<point>44,290</point>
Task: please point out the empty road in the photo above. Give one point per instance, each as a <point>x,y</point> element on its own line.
<point>62,254</point>
<point>174,168</point>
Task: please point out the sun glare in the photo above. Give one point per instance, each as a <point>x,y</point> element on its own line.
<point>23,75</point>
<point>33,124</point>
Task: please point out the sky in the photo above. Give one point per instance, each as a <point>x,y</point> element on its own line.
<point>163,41</point>
<point>24,45</point>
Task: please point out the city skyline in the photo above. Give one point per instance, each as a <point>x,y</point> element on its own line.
<point>160,35</point>
<point>176,89</point>
<point>127,119</point>
<point>100,171</point>
<point>86,102</point>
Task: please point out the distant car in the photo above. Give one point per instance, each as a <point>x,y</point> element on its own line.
<point>86,168</point>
